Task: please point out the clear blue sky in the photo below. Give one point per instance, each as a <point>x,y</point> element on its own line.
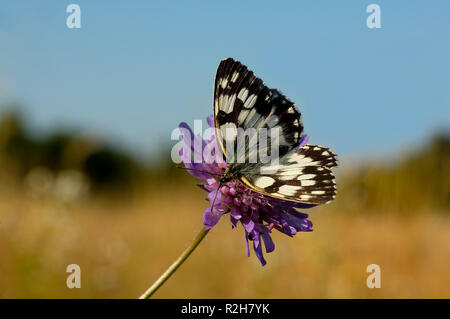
<point>137,68</point>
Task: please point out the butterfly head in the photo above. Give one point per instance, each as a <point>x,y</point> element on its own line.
<point>227,176</point>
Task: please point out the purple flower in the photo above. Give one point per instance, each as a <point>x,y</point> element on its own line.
<point>258,214</point>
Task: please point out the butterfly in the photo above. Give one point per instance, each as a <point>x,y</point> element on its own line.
<point>242,102</point>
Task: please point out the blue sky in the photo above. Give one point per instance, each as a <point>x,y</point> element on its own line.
<point>136,69</point>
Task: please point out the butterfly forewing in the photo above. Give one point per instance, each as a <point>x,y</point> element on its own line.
<point>242,102</point>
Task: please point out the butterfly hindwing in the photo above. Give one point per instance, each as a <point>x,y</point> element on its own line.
<point>242,101</point>
<point>302,175</point>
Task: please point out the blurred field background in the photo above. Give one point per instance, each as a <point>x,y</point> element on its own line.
<point>68,199</point>
<point>86,117</point>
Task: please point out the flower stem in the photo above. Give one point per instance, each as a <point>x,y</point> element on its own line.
<point>177,263</point>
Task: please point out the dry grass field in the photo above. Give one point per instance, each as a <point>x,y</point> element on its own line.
<point>122,248</point>
<point>68,200</point>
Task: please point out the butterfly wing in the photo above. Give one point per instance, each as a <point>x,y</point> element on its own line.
<point>242,101</point>
<point>302,175</point>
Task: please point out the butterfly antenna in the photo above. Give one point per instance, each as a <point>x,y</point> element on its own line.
<point>215,196</point>
<point>197,170</point>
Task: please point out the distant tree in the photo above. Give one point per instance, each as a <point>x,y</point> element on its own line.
<point>108,167</point>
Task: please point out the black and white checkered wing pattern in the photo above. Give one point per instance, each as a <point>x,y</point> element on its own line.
<point>242,101</point>
<point>302,175</point>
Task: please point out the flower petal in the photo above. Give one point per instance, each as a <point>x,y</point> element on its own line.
<point>303,140</point>
<point>268,242</point>
<point>195,143</point>
<point>258,251</point>
<point>233,221</point>
<point>236,213</point>
<point>215,197</point>
<point>195,169</point>
<point>210,120</point>
<point>248,224</point>
<point>300,224</point>
<point>246,243</point>
<point>211,217</point>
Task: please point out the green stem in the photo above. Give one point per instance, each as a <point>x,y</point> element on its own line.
<point>177,263</point>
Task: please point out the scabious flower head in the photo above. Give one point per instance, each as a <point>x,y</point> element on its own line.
<point>258,214</point>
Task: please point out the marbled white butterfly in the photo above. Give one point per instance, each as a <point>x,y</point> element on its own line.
<point>242,101</point>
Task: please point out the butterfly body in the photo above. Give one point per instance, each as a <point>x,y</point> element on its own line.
<point>242,104</point>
